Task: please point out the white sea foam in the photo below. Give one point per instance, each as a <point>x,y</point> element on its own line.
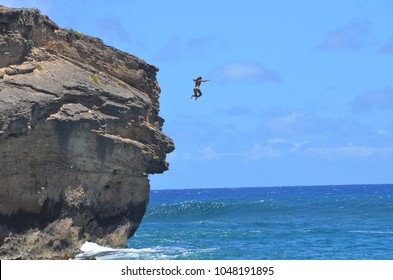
<point>94,247</point>
<point>93,250</point>
<point>371,231</point>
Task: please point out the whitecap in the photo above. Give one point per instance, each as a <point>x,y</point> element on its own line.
<point>93,247</point>
<point>371,231</point>
<point>93,250</point>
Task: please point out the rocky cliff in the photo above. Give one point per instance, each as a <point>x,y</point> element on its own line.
<point>79,134</point>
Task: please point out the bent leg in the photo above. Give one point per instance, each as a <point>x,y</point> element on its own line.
<point>195,93</point>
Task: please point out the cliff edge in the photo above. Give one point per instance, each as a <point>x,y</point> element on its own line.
<point>79,134</point>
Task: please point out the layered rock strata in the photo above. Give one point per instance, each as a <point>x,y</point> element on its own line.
<point>79,133</point>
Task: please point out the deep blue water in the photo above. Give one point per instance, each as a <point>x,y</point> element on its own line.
<point>315,222</point>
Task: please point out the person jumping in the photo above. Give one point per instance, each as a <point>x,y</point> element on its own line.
<point>197,90</point>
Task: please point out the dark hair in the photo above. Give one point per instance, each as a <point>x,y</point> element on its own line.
<point>199,78</point>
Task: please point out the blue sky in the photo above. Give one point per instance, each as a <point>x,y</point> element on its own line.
<point>301,92</point>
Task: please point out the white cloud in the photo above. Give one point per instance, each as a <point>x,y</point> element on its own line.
<point>259,152</point>
<point>241,71</point>
<point>349,151</point>
<point>388,47</point>
<point>238,111</point>
<point>277,141</point>
<point>382,132</point>
<point>280,141</point>
<point>286,123</point>
<point>351,37</point>
<point>368,100</point>
<point>283,122</point>
<point>280,148</point>
<point>208,154</point>
<point>256,152</point>
<point>177,48</point>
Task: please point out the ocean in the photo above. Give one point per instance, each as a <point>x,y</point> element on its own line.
<point>352,222</point>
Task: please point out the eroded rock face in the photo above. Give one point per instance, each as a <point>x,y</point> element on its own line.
<point>79,134</point>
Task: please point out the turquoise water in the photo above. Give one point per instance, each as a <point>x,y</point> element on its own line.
<point>319,222</point>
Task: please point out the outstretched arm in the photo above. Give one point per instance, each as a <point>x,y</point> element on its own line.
<point>205,80</point>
